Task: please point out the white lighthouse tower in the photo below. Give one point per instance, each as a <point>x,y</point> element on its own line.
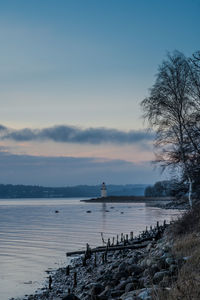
<point>103,190</point>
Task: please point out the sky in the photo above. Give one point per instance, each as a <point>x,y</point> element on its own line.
<point>72,77</point>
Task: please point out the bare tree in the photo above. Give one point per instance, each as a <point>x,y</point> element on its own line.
<point>168,110</point>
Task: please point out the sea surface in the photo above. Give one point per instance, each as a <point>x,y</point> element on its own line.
<point>34,238</point>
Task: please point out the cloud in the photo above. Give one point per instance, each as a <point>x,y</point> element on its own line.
<point>72,134</point>
<point>63,171</point>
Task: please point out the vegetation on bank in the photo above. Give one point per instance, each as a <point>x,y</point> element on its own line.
<point>185,237</point>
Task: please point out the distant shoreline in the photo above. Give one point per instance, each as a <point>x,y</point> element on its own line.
<point>122,199</point>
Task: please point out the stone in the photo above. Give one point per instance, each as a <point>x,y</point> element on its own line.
<point>122,267</point>
<point>121,285</point>
<point>129,287</point>
<point>159,276</point>
<point>116,293</point>
<point>153,269</point>
<point>70,297</point>
<point>96,289</point>
<point>128,296</point>
<point>136,269</point>
<point>149,246</point>
<point>145,294</point>
<point>132,260</point>
<point>120,275</point>
<point>173,269</point>
<point>169,261</point>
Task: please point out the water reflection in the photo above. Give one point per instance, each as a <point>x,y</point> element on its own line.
<point>33,237</point>
<point>104,209</point>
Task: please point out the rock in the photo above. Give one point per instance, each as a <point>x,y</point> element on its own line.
<point>129,287</point>
<point>159,276</point>
<point>165,282</point>
<point>136,269</point>
<point>153,269</point>
<point>116,293</point>
<point>161,264</point>
<point>145,282</point>
<point>146,272</point>
<point>121,285</point>
<point>173,269</point>
<point>106,293</point>
<point>97,288</point>
<point>122,267</point>
<point>115,265</point>
<point>132,260</point>
<point>149,246</point>
<point>145,294</point>
<point>120,275</point>
<point>70,297</point>
<point>128,296</point>
<point>150,261</point>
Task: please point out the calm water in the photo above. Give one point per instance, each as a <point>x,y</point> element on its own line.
<point>34,238</point>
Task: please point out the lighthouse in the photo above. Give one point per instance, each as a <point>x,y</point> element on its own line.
<point>103,190</point>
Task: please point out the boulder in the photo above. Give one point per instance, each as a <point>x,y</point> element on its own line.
<point>159,276</point>
<point>137,270</point>
<point>121,285</point>
<point>169,261</point>
<point>116,293</point>
<point>128,296</point>
<point>96,289</point>
<point>173,269</point>
<point>70,297</point>
<point>129,287</point>
<point>120,275</point>
<point>122,267</point>
<point>145,294</point>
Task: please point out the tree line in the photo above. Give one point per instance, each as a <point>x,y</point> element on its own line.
<point>172,109</point>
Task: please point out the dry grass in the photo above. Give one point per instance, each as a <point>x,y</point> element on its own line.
<point>186,235</point>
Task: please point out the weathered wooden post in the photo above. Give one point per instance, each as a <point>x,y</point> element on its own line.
<point>127,238</point>
<point>50,282</point>
<point>84,260</point>
<point>113,241</point>
<point>103,258</point>
<point>157,224</point>
<point>75,279</point>
<point>122,238</point>
<point>88,252</point>
<point>67,270</point>
<point>117,239</point>
<point>131,235</point>
<point>108,244</point>
<point>95,259</point>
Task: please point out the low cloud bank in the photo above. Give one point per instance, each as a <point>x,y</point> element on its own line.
<point>72,134</point>
<point>64,171</point>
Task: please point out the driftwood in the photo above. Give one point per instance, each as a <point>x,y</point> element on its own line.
<point>112,248</point>
<point>140,242</point>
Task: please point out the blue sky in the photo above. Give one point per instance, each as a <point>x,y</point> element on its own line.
<point>86,64</point>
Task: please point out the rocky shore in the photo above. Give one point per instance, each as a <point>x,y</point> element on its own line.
<point>124,274</point>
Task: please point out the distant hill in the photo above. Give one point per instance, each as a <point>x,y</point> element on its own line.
<point>29,191</point>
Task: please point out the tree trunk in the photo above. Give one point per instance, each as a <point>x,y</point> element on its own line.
<point>190,192</point>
